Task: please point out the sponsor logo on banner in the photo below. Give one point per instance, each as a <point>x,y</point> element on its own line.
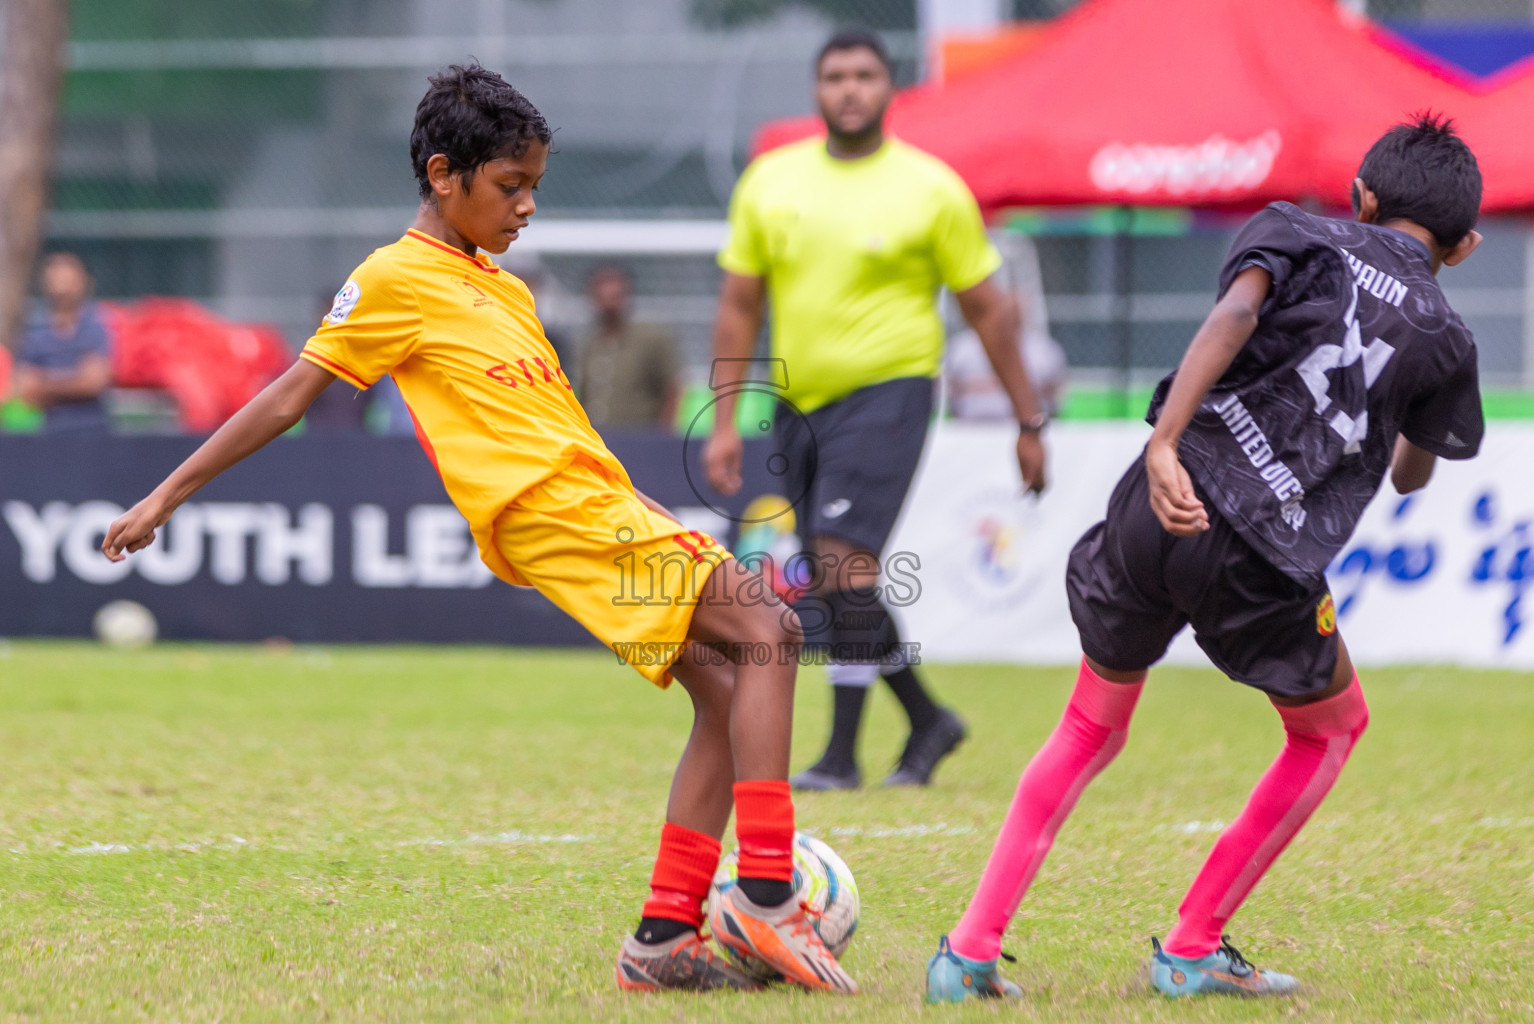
<point>1215,166</point>
<point>992,566</point>
<point>1409,554</point>
<point>231,542</point>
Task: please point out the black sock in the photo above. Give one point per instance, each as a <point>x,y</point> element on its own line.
<point>767,892</point>
<point>655,930</point>
<point>846,720</point>
<point>917,702</point>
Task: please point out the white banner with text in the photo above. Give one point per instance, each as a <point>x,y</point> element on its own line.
<point>1436,576</point>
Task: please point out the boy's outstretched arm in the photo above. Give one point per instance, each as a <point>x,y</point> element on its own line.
<point>270,414</point>
<point>1224,332</point>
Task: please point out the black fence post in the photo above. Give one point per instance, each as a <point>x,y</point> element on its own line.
<point>1122,328</point>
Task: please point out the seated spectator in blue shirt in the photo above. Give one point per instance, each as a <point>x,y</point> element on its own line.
<point>64,362</point>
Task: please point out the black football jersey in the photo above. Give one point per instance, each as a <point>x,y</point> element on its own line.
<point>1354,345</point>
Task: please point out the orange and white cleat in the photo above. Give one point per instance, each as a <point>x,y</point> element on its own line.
<point>783,936</point>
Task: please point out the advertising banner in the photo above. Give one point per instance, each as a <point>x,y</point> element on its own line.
<point>1437,576</point>
<point>327,539</point>
<point>313,539</point>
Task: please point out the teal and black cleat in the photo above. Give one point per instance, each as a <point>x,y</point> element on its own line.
<point>1224,972</point>
<point>952,978</point>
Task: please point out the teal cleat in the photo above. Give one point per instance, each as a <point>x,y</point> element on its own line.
<point>952,978</point>
<point>1224,972</point>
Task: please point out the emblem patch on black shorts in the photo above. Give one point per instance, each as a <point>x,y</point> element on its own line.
<point>1326,616</point>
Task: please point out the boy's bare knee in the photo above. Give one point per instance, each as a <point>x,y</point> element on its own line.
<point>793,629</point>
<point>710,683</point>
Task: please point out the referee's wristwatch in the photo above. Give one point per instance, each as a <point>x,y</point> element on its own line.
<point>1033,424</point>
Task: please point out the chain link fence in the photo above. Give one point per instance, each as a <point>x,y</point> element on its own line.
<point>248,153</point>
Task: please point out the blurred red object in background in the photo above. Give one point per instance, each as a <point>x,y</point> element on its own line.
<point>211,366</point>
<point>5,373</point>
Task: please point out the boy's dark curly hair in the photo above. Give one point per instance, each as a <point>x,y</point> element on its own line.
<point>1422,171</point>
<point>471,116</point>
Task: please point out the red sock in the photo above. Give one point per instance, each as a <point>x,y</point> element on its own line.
<point>764,824</point>
<point>1318,739</point>
<point>684,869</point>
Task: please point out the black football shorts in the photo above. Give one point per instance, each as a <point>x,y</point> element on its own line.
<point>1133,587</point>
<point>848,465</point>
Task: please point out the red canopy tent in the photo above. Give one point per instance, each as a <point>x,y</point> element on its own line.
<point>1498,127</point>
<point>1170,102</point>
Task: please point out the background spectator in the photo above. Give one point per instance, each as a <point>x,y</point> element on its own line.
<point>64,362</point>
<point>628,372</point>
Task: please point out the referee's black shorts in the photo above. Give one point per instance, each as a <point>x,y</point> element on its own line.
<point>1133,587</point>
<point>849,464</point>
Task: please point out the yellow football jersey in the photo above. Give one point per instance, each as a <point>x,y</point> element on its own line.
<point>492,406</point>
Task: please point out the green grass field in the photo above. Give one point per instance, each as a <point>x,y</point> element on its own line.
<point>201,833</point>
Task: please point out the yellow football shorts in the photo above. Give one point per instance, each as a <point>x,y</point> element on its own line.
<point>628,574</point>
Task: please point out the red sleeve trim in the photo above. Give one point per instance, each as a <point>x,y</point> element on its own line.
<point>336,368</point>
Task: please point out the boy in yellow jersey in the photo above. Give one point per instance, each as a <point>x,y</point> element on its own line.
<point>551,507</point>
<point>850,237</point>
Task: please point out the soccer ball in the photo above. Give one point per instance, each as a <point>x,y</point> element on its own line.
<point>125,624</point>
<point>825,884</point>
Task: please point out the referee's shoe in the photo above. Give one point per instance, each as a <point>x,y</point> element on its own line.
<point>926,747</point>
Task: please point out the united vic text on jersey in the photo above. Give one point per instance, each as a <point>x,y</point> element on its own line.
<point>1354,345</point>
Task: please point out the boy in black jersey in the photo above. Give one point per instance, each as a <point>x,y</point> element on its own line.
<point>1331,356</point>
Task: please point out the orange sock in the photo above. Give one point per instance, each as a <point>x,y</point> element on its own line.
<point>764,824</point>
<point>684,869</point>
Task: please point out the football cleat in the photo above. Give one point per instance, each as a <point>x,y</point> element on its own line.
<point>784,937</point>
<point>1224,972</point>
<point>683,964</point>
<point>817,777</point>
<point>926,748</point>
<point>952,978</point>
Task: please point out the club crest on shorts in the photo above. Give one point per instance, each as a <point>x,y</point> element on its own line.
<point>1326,616</point>
<point>346,301</point>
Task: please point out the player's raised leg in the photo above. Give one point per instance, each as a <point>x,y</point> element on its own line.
<point>1090,734</point>
<point>1319,734</point>
<point>667,950</point>
<point>741,618</point>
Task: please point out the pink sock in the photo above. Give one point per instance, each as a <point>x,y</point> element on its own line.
<point>1090,734</point>
<point>1319,738</point>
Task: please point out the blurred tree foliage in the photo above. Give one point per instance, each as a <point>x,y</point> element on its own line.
<point>213,95</point>
<point>202,19</point>
<point>883,14</point>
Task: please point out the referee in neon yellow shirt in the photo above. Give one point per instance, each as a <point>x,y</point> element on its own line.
<point>850,237</point>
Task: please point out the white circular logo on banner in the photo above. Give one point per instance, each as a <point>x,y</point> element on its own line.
<point>996,529</point>
<point>346,301</point>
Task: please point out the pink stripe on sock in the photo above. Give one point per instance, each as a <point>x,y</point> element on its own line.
<point>1318,739</point>
<point>1090,734</point>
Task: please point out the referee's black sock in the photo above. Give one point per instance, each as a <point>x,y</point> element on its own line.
<point>903,681</point>
<point>841,756</point>
<point>918,703</point>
